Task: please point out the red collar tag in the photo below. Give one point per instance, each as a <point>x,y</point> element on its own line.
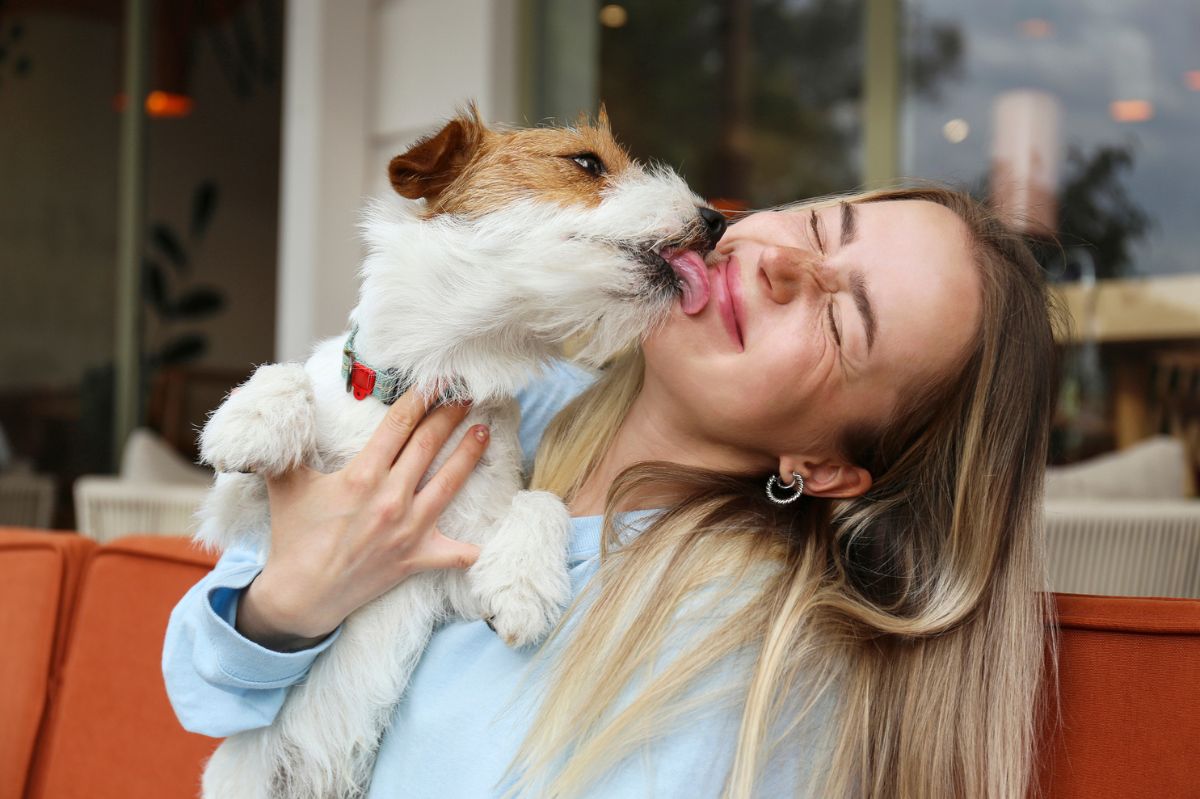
<point>362,380</point>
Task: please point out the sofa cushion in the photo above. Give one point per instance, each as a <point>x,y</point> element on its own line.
<point>39,576</point>
<point>148,458</point>
<point>1129,690</point>
<point>1156,468</point>
<point>111,733</point>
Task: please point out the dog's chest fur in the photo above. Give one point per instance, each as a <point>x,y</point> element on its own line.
<point>344,424</point>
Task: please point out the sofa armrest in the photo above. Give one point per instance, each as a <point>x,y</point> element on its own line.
<point>40,572</point>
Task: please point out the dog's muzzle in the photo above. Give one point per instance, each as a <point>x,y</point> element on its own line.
<point>714,225</point>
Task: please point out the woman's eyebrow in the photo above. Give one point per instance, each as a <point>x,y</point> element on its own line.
<point>858,289</point>
<point>849,223</point>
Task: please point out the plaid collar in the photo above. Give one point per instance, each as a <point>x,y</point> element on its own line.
<point>365,381</point>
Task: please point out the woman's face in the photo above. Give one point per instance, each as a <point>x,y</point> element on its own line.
<point>816,320</point>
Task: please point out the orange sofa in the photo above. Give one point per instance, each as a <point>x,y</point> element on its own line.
<point>84,715</point>
<point>1129,700</point>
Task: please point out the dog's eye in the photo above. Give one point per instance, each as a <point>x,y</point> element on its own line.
<point>590,163</point>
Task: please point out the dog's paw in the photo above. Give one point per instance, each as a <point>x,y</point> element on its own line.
<point>267,425</point>
<point>521,615</point>
<point>521,580</point>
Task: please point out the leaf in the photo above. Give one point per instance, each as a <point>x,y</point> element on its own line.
<point>199,302</point>
<point>154,286</point>
<point>204,205</point>
<point>168,243</point>
<point>182,349</point>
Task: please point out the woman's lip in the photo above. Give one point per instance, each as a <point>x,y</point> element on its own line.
<point>725,304</point>
<point>733,281</point>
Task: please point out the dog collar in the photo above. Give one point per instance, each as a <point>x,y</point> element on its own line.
<point>365,381</point>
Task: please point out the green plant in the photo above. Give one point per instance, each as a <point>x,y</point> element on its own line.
<point>13,60</point>
<point>169,293</point>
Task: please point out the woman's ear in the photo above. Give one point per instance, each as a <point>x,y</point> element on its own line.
<point>827,477</point>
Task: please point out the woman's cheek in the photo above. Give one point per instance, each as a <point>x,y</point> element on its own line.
<point>799,370</point>
<point>799,348</point>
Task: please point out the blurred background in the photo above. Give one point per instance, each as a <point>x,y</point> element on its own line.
<point>153,249</point>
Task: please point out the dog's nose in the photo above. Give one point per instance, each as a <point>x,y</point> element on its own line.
<point>714,224</point>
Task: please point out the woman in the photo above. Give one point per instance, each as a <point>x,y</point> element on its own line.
<point>821,554</point>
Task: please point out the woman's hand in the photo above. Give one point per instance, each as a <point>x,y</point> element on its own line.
<point>340,540</point>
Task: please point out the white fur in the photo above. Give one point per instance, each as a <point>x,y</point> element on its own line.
<point>268,425</point>
<point>485,301</point>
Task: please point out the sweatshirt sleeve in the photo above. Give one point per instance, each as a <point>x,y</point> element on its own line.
<point>220,682</point>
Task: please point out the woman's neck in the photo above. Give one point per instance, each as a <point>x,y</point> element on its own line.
<point>638,439</point>
<point>651,432</point>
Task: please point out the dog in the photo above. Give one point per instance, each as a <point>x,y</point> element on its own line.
<point>496,248</point>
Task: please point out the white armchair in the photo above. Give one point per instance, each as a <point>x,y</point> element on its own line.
<point>1123,524</point>
<point>157,492</point>
<point>26,499</point>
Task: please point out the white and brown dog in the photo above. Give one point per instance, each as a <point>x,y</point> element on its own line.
<point>497,248</point>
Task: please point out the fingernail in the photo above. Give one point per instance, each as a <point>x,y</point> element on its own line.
<point>481,432</point>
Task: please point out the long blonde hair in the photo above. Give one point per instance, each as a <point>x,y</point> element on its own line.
<point>912,618</point>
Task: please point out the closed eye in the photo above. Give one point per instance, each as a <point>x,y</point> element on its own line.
<point>837,336</point>
<point>816,229</point>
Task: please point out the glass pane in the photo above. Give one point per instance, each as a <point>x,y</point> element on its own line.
<point>1079,120</point>
<point>754,101</point>
<point>212,183</point>
<point>1079,117</point>
<point>58,144</point>
<point>211,179</point>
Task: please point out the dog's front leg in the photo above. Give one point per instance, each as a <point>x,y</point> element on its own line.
<point>267,425</point>
<point>521,578</point>
<point>235,510</point>
<point>323,743</point>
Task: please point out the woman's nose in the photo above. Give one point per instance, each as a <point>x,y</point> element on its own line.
<point>790,272</point>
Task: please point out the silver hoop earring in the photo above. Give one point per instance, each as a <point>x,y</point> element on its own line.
<point>797,484</point>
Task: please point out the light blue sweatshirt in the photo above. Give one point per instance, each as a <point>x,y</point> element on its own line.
<point>467,708</point>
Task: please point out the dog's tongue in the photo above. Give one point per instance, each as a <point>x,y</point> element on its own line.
<point>691,270</point>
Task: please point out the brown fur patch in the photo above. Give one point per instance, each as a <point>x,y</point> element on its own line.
<point>467,168</point>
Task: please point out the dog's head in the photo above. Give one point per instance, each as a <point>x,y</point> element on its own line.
<point>469,169</point>
<point>597,242</point>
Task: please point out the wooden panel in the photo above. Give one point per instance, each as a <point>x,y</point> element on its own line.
<point>1145,309</point>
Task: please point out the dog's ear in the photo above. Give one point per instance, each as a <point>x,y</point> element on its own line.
<point>435,161</point>
<point>584,120</point>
